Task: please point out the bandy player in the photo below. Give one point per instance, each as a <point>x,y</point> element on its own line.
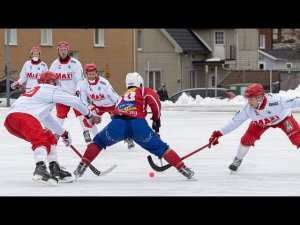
<point>265,111</point>
<point>32,110</point>
<point>101,95</point>
<point>31,70</point>
<point>70,74</point>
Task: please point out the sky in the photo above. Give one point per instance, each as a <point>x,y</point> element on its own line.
<point>271,168</point>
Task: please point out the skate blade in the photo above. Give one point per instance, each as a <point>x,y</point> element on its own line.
<point>66,180</point>
<point>50,181</point>
<point>192,179</point>
<point>232,172</point>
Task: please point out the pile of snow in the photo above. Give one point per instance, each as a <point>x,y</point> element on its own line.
<point>209,104</point>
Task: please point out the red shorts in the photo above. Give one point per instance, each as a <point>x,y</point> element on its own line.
<point>289,126</point>
<point>27,127</point>
<point>63,110</point>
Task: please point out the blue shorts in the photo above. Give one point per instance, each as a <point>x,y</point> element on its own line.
<point>136,129</point>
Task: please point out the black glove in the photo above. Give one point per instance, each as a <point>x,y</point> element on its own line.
<point>156,125</point>
<point>77,93</point>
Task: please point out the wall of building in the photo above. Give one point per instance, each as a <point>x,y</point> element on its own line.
<point>117,53</point>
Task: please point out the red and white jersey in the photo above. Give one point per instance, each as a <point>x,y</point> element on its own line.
<point>100,92</point>
<point>31,72</point>
<point>39,101</point>
<point>70,74</point>
<point>134,103</point>
<point>273,110</point>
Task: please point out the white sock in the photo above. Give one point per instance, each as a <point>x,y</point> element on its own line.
<point>60,121</point>
<point>40,154</point>
<point>53,154</point>
<point>242,151</point>
<point>94,130</point>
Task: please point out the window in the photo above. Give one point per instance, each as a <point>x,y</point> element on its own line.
<point>74,54</point>
<point>12,38</point>
<point>262,41</point>
<point>46,36</point>
<point>154,79</point>
<point>219,38</point>
<point>99,38</point>
<point>262,65</point>
<point>140,40</point>
<point>192,79</point>
<point>289,66</point>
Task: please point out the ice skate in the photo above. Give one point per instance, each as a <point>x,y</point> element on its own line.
<point>57,136</point>
<point>235,164</point>
<point>87,136</point>
<point>130,143</point>
<point>80,170</point>
<point>58,173</point>
<point>187,172</point>
<point>41,175</point>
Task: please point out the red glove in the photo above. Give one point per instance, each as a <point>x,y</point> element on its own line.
<point>213,140</point>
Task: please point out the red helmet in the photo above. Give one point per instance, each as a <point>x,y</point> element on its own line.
<point>254,90</point>
<point>90,67</point>
<point>63,44</point>
<point>48,77</point>
<point>35,49</point>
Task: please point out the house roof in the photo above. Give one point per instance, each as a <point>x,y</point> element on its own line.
<point>281,54</point>
<point>188,41</point>
<point>250,76</point>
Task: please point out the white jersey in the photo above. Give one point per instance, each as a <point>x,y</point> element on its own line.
<point>31,72</point>
<point>100,92</point>
<point>39,102</point>
<point>277,108</point>
<point>70,74</point>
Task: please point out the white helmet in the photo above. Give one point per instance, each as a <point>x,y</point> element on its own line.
<point>134,79</point>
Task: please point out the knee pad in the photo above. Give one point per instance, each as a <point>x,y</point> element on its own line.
<point>249,139</point>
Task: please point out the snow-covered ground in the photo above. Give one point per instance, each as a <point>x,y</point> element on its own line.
<point>271,168</point>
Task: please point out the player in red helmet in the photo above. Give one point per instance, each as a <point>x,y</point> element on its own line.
<point>48,78</point>
<point>71,75</point>
<point>265,111</point>
<point>101,95</point>
<point>31,70</point>
<point>31,111</point>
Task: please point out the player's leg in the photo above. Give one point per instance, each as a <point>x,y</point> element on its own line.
<point>110,135</point>
<point>252,134</point>
<point>86,133</point>
<point>149,140</point>
<point>291,128</point>
<point>29,128</point>
<point>61,114</point>
<point>54,167</point>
